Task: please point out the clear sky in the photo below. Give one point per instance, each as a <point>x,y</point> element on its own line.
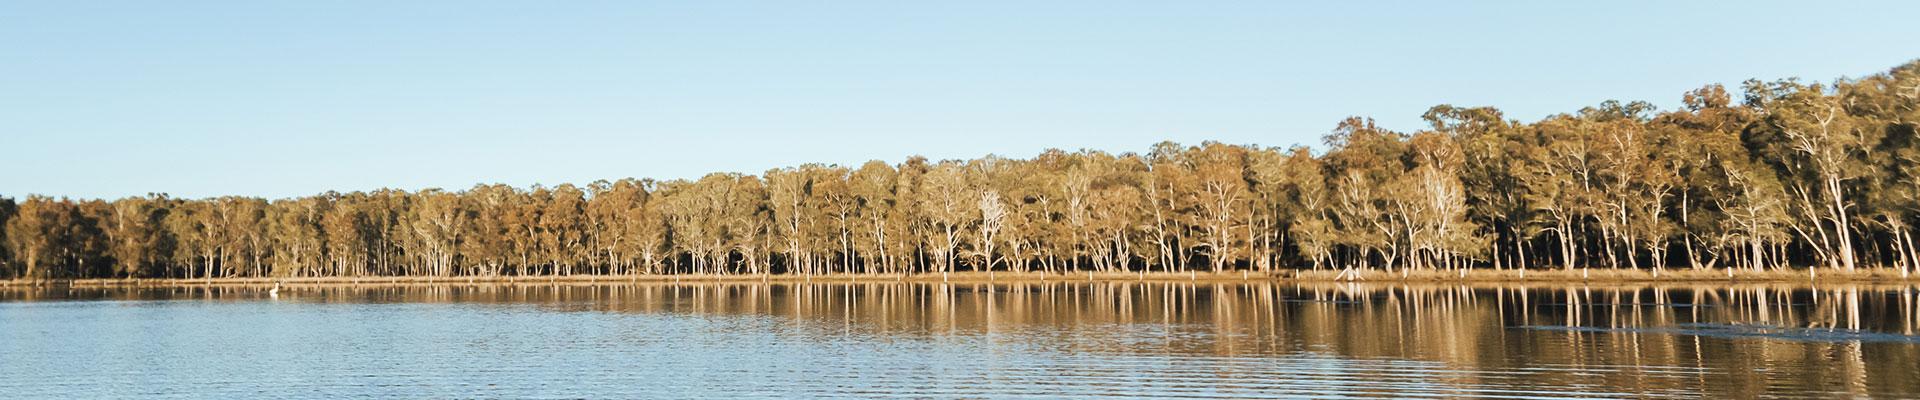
<point>288,98</point>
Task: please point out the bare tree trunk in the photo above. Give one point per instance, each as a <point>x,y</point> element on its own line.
<point>1841,229</point>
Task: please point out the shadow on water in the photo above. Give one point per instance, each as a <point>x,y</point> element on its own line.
<point>1207,340</point>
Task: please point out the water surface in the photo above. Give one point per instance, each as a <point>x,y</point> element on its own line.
<point>1160,340</point>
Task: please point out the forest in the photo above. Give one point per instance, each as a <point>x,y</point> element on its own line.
<point>1783,174</point>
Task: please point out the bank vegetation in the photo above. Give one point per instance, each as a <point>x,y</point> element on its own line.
<point>1773,177</point>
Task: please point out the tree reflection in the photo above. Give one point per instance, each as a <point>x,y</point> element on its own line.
<point>1743,339</point>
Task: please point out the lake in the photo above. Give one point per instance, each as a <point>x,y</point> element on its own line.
<point>1060,339</point>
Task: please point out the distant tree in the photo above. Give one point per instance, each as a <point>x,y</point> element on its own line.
<point>1559,177</point>
<point>38,235</point>
<point>1305,180</point>
<point>1221,201</point>
<point>1362,161</point>
<point>872,187</point>
<point>1795,175</point>
<point>1492,151</point>
<point>947,207</point>
<point>1441,234</point>
<point>8,209</point>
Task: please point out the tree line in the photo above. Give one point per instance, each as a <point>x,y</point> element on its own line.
<point>1789,174</point>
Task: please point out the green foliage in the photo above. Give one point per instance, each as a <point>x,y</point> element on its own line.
<point>1793,174</point>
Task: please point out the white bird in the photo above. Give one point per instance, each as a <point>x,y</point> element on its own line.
<point>275,292</point>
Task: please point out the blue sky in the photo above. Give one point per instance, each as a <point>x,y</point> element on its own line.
<point>278,99</point>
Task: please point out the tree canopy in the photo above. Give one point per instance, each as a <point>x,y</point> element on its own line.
<point>1791,174</point>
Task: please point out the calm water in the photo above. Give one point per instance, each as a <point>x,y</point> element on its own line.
<point>932,340</point>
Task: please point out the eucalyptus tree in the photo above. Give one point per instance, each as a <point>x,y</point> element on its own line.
<point>1715,174</point>
<point>243,242</point>
<point>562,226</point>
<point>699,213</point>
<point>833,200</point>
<point>1797,174</point>
<point>613,221</point>
<point>748,221</point>
<point>947,206</point>
<point>1821,148</point>
<point>487,246</point>
<point>1029,188</point>
<point>1890,195</point>
<point>993,215</point>
<point>297,240</point>
<point>383,210</point>
<point>1440,234</point>
<point>1362,160</point>
<point>872,187</point>
<point>1221,201</point>
<point>88,249</point>
<point>1558,177</point>
<point>38,235</point>
<point>1166,181</point>
<point>1633,180</point>
<point>348,233</point>
<point>197,237</point>
<point>1492,152</point>
<point>788,190</point>
<point>1116,207</point>
<point>1074,205</point>
<point>907,232</point>
<point>1268,217</point>
<point>687,211</point>
<point>649,230</point>
<point>521,219</point>
<point>602,213</point>
<point>7,211</point>
<point>1756,215</point>
<point>436,223</point>
<point>1304,180</point>
<point>136,231</point>
<point>985,178</point>
<point>638,228</point>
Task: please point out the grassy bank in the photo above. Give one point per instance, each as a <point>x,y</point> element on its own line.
<point>1596,275</point>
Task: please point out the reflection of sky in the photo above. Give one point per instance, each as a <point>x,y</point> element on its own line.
<point>1074,339</point>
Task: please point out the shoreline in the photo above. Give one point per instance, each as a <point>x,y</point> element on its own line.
<point>1590,276</point>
